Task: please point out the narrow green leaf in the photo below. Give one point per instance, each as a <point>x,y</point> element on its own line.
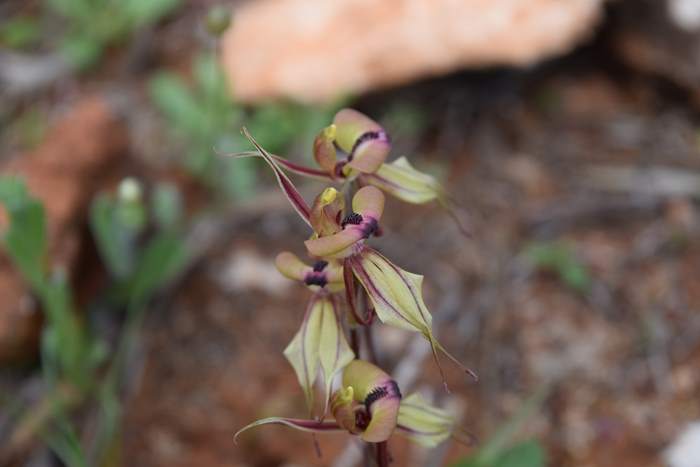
<point>525,454</point>
<point>161,259</point>
<point>25,239</point>
<point>111,240</point>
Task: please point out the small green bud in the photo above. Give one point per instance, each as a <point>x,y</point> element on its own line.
<point>218,20</point>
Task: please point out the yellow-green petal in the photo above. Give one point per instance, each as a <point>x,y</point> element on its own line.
<point>338,245</point>
<point>334,350</point>
<point>397,297</point>
<point>422,423</point>
<point>290,266</point>
<point>368,201</point>
<point>401,180</point>
<point>350,125</point>
<point>324,149</point>
<point>319,345</point>
<point>325,212</point>
<point>302,351</point>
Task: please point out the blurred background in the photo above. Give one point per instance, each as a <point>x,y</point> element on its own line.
<point>141,317</point>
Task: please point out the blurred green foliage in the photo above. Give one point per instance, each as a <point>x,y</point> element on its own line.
<point>19,32</point>
<point>93,25</point>
<point>501,450</point>
<point>206,120</point>
<point>72,355</point>
<point>118,223</point>
<point>560,259</point>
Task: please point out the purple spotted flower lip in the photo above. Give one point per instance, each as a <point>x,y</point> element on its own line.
<point>355,227</point>
<point>352,145</point>
<point>319,275</point>
<point>369,404</point>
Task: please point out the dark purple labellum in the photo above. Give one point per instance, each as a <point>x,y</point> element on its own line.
<point>352,218</point>
<point>370,227</point>
<point>316,278</point>
<point>362,419</point>
<point>369,136</point>
<point>320,265</point>
<point>389,389</point>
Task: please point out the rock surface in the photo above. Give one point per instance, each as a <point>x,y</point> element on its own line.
<point>315,51</point>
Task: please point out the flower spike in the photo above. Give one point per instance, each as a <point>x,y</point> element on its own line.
<point>319,347</point>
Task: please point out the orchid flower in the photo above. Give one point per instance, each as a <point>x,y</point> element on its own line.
<point>369,405</point>
<point>355,147</point>
<point>319,349</point>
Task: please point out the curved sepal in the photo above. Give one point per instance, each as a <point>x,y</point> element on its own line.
<point>422,423</point>
<point>401,180</point>
<point>310,426</point>
<point>297,201</point>
<point>397,297</point>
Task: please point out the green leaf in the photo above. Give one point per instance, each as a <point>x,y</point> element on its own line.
<point>177,103</point>
<point>63,440</point>
<point>525,454</point>
<point>499,448</point>
<point>142,12</point>
<point>25,240</point>
<point>20,32</point>
<point>81,51</point>
<point>71,9</point>
<point>162,259</point>
<point>112,242</point>
<point>560,259</point>
<point>166,205</point>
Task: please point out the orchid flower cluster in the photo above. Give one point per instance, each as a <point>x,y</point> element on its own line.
<point>345,270</point>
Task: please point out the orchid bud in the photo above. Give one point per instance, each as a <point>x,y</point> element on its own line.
<point>326,212</point>
<point>381,398</point>
<point>357,226</point>
<point>324,149</point>
<point>363,139</point>
<point>402,180</point>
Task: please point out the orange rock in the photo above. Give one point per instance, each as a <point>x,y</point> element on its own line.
<point>317,50</point>
<point>63,173</point>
